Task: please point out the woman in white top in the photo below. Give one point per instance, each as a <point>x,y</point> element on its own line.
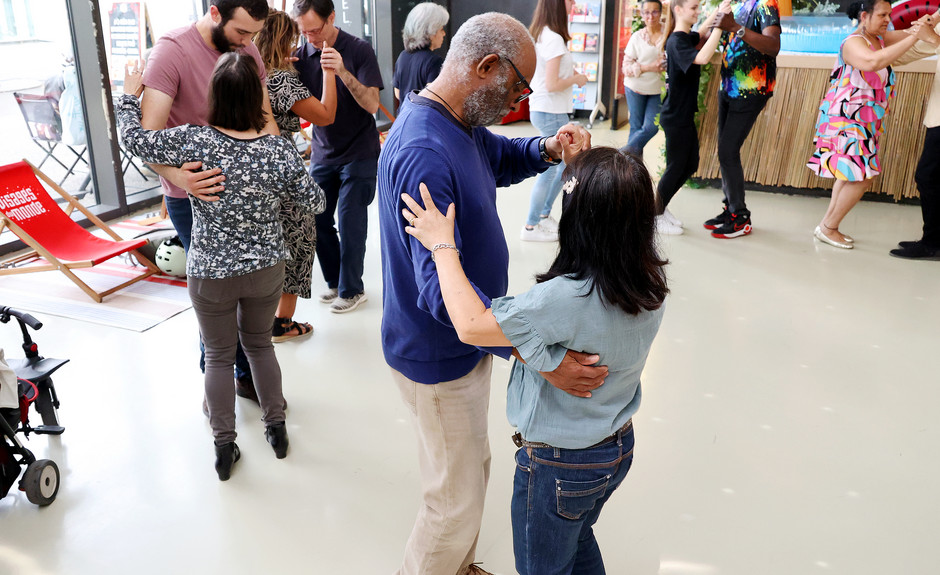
<point>549,106</point>
<point>643,65</point>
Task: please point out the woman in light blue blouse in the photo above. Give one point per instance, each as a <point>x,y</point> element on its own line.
<point>603,294</point>
<point>235,264</point>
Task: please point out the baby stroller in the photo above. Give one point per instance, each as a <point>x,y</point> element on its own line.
<point>25,382</point>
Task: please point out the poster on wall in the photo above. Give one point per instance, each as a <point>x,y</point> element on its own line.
<point>126,36</point>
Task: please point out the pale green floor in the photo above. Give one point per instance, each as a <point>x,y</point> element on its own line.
<point>789,424</point>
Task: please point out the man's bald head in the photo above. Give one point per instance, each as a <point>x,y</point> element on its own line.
<point>490,33</point>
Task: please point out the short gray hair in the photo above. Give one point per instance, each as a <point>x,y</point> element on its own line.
<point>484,34</point>
<point>424,20</point>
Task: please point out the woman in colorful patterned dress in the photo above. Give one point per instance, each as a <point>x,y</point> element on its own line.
<point>852,111</point>
<point>291,101</point>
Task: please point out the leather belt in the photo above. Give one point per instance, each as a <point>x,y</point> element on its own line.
<point>520,442</point>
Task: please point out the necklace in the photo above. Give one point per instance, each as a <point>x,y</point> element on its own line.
<point>452,111</point>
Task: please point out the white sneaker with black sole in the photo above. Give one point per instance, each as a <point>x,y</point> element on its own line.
<point>347,304</point>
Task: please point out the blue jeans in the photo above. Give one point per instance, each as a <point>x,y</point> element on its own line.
<point>643,112</point>
<point>557,497</point>
<point>349,189</point>
<point>548,183</point>
<point>181,215</point>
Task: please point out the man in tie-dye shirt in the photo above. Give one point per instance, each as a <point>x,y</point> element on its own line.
<point>748,73</point>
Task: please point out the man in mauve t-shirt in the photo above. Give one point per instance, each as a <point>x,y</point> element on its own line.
<point>176,92</point>
<point>344,155</point>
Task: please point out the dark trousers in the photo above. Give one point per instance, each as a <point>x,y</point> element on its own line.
<point>681,162</point>
<point>927,177</point>
<point>349,190</point>
<point>736,117</point>
<point>181,215</point>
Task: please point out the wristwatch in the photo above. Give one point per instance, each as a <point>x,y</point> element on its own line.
<point>544,153</point>
<point>739,34</point>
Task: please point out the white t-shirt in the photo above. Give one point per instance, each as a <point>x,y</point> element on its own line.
<point>550,45</point>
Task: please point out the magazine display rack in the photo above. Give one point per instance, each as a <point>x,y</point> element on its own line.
<point>586,46</point>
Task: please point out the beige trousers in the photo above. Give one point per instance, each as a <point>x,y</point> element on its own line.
<point>454,462</point>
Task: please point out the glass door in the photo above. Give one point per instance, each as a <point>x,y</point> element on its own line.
<point>41,106</point>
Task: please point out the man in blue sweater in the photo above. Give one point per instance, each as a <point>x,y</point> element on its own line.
<point>439,139</point>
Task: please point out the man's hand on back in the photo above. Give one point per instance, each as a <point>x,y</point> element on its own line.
<point>577,374</point>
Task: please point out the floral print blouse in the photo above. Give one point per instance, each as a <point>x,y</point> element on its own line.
<point>285,89</point>
<point>240,233</point>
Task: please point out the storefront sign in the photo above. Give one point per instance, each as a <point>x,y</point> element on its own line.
<point>126,36</point>
<point>349,16</point>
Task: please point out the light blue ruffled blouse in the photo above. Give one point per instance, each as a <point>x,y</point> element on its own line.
<point>542,324</point>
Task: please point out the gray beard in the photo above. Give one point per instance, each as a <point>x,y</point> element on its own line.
<point>487,105</point>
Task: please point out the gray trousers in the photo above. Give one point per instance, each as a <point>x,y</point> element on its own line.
<point>232,308</point>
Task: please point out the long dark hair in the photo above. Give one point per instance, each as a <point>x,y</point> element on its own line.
<point>550,13</point>
<point>235,94</point>
<point>606,232</point>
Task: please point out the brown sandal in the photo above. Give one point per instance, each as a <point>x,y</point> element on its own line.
<point>286,328</point>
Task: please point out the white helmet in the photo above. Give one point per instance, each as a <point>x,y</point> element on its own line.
<point>171,257</point>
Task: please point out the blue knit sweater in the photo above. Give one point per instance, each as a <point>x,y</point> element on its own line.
<point>464,167</point>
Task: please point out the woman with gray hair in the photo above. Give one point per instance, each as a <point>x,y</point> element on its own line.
<point>423,33</point>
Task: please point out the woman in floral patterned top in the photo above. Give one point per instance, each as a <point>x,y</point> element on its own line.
<point>235,265</point>
<point>291,101</point>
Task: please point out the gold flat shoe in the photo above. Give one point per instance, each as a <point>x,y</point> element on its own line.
<point>819,235</point>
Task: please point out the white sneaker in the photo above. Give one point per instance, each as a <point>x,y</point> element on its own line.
<point>665,227</point>
<point>672,219</point>
<point>549,224</point>
<point>347,304</point>
<point>329,295</point>
<point>538,234</point>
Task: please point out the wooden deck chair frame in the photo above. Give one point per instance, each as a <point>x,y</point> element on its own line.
<point>10,265</point>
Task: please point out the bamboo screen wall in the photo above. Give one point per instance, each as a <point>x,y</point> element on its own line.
<point>781,142</point>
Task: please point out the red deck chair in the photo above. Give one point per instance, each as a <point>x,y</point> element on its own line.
<point>57,242</point>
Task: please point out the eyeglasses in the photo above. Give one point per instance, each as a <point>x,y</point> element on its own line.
<point>314,31</point>
<point>650,13</point>
<point>526,88</point>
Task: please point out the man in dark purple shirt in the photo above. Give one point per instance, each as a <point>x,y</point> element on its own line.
<point>344,155</point>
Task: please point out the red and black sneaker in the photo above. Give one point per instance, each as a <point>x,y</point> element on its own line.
<point>739,225</point>
<point>721,219</point>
